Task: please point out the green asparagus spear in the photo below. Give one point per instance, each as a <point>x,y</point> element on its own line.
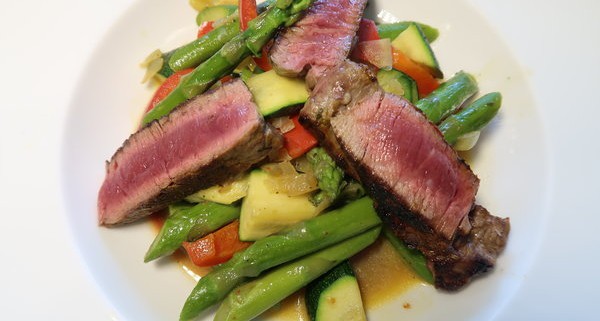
<point>263,6</point>
<point>448,97</point>
<point>253,298</point>
<point>413,257</point>
<point>187,222</point>
<point>301,239</point>
<point>392,30</point>
<point>352,190</point>
<point>471,118</point>
<point>398,83</point>
<point>262,30</point>
<point>212,216</point>
<point>259,31</point>
<point>329,176</point>
<point>197,51</point>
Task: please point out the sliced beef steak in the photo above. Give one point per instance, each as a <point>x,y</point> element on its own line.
<point>391,143</point>
<point>419,184</point>
<point>205,141</point>
<point>384,137</point>
<point>454,263</point>
<point>321,39</point>
<point>332,94</point>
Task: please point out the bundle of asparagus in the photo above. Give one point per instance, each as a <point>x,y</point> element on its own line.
<point>231,53</point>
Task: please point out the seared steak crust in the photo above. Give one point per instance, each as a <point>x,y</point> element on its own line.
<point>207,140</point>
<point>328,97</point>
<point>453,263</point>
<point>421,188</point>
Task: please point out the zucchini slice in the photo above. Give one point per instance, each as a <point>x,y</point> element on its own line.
<point>215,13</point>
<point>273,93</point>
<point>398,83</point>
<point>413,43</point>
<point>335,296</point>
<point>265,212</point>
<point>227,193</point>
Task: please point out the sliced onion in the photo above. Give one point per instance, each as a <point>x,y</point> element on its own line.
<point>280,169</point>
<point>466,141</point>
<point>283,123</point>
<point>283,178</point>
<point>152,69</point>
<point>151,57</point>
<point>376,52</point>
<point>293,185</point>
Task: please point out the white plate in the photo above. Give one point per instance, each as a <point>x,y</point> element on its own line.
<point>512,160</point>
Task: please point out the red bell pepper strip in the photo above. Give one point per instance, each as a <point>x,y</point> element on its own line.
<point>166,87</point>
<point>248,12</point>
<point>226,79</point>
<point>367,30</point>
<point>205,27</point>
<point>298,140</point>
<point>375,52</point>
<point>426,83</point>
<point>364,51</point>
<point>263,60</point>
<point>217,247</point>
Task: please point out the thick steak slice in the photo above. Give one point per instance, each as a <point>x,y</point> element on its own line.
<point>393,144</point>
<point>421,187</point>
<point>331,95</point>
<point>321,39</point>
<point>454,263</point>
<point>205,141</point>
<point>388,140</point>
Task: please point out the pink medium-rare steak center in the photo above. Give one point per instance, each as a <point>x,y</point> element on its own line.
<point>321,39</point>
<point>403,153</point>
<point>203,142</point>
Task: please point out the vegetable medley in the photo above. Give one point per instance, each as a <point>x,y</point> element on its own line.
<point>296,222</point>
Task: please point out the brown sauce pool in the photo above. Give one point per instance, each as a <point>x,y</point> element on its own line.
<point>382,276</point>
